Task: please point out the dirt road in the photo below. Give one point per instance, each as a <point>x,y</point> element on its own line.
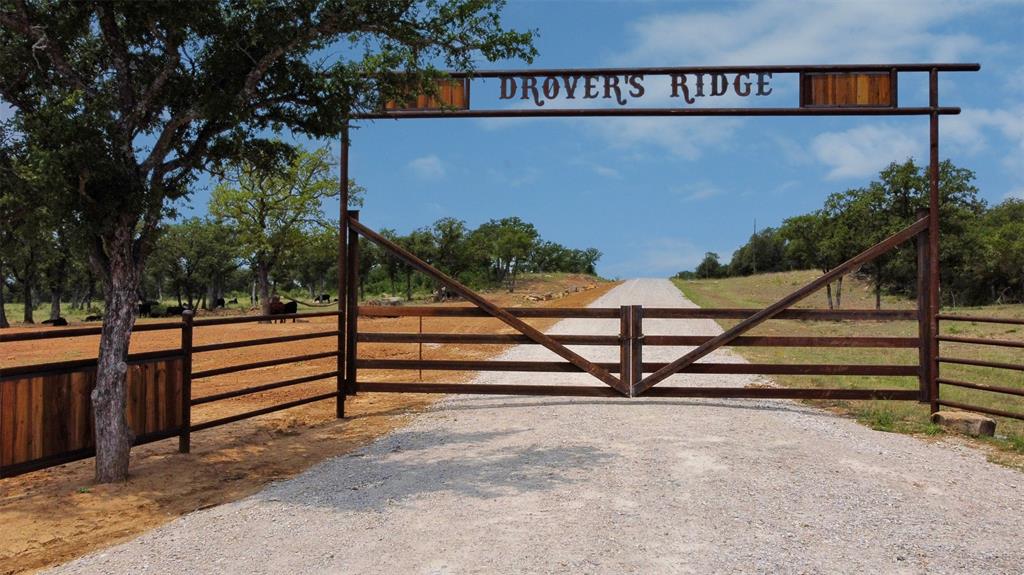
<point>496,484</point>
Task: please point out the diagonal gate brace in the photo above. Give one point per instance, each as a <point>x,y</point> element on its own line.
<point>771,311</point>
<point>495,311</point>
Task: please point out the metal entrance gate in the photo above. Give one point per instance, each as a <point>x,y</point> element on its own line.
<point>851,90</point>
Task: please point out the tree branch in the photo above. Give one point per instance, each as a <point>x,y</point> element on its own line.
<point>37,33</point>
<point>119,53</point>
<point>171,60</point>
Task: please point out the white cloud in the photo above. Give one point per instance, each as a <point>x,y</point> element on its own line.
<point>516,178</point>
<point>428,167</point>
<point>601,170</point>
<point>864,150</point>
<point>807,33</point>
<point>686,138</point>
<point>971,130</point>
<point>968,130</point>
<point>699,191</point>
<point>664,256</point>
<point>1015,80</point>
<point>606,172</point>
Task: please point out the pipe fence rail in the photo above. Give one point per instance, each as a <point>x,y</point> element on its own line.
<point>1005,366</point>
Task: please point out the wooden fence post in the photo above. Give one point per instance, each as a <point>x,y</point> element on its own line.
<point>185,435</point>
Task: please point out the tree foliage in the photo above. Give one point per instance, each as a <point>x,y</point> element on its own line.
<point>127,102</point>
<point>981,249</point>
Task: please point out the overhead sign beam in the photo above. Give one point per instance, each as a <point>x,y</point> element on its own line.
<point>835,90</point>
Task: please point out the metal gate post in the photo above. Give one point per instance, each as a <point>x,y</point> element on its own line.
<point>636,346</point>
<point>185,433</point>
<point>342,252</point>
<point>934,295</point>
<point>624,348</point>
<point>924,327</point>
<point>352,315</point>
<point>631,357</point>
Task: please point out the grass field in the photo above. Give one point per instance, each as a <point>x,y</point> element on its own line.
<point>906,417</point>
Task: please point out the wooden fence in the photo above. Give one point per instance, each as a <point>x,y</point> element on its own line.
<point>46,410</point>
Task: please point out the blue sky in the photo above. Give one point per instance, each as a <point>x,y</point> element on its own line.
<point>653,194</point>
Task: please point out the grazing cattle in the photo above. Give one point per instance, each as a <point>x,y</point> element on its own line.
<point>444,294</point>
<point>145,308</point>
<point>56,322</point>
<point>233,300</point>
<point>277,307</point>
<point>322,298</point>
<point>218,303</point>
<point>174,310</point>
<point>93,318</point>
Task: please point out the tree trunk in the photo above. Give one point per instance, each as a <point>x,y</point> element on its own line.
<point>408,286</point>
<point>3,311</point>
<point>839,292</point>
<point>210,298</point>
<point>828,293</point>
<point>29,304</point>
<point>263,282</point>
<point>109,398</point>
<point>54,303</point>
<point>878,288</point>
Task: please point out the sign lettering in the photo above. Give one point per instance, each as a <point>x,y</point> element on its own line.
<point>622,89</point>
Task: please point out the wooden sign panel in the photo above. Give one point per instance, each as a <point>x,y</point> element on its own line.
<point>452,94</point>
<point>848,89</point>
<point>47,418</point>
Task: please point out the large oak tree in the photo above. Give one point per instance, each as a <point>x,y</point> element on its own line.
<point>129,101</point>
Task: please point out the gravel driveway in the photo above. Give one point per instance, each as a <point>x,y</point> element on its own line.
<point>539,485</point>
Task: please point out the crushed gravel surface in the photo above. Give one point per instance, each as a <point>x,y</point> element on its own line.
<point>490,484</point>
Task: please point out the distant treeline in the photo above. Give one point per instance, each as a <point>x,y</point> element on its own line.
<point>982,246</point>
<point>267,233</point>
<point>198,261</point>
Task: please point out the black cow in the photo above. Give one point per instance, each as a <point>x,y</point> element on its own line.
<point>233,300</point>
<point>322,298</point>
<point>56,322</point>
<point>174,310</point>
<point>218,303</point>
<point>145,308</point>
<point>94,318</point>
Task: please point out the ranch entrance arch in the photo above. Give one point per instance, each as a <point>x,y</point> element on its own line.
<point>842,90</point>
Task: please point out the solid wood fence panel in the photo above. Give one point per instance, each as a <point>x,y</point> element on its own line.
<point>47,418</point>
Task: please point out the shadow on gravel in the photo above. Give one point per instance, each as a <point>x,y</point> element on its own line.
<point>411,464</point>
<point>471,403</point>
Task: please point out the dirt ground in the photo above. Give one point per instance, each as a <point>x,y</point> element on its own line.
<point>56,514</point>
